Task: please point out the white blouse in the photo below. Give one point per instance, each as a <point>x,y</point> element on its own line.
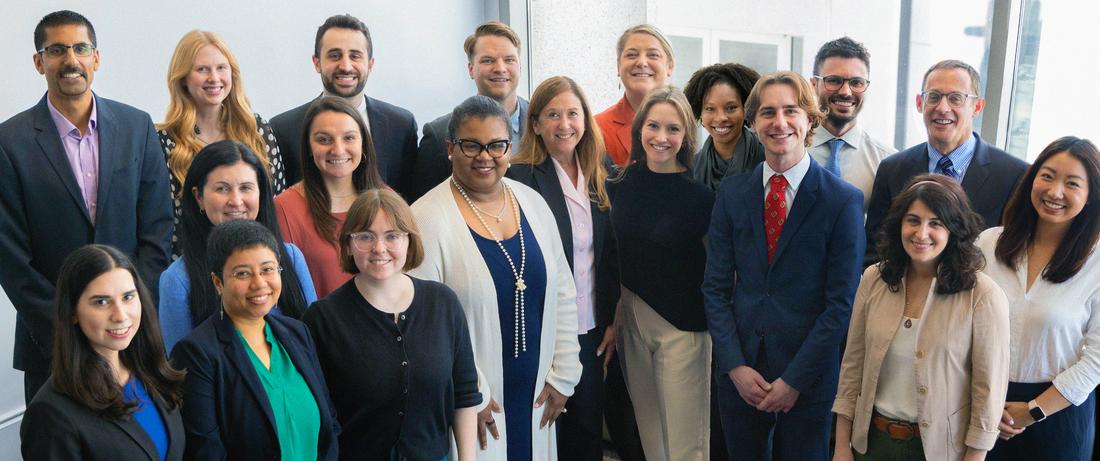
<point>1055,327</point>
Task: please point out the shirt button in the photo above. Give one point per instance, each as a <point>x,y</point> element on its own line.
<point>400,413</point>
<point>402,316</point>
<point>404,364</point>
<point>398,339</point>
<point>924,424</point>
<point>921,390</point>
<point>920,354</point>
<point>406,391</point>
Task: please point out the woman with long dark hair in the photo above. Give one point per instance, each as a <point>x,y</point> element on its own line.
<point>226,182</point>
<point>111,392</point>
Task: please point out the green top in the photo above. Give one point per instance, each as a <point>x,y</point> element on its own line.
<point>297,419</point>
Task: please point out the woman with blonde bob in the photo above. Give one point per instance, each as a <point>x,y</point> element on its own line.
<point>206,104</point>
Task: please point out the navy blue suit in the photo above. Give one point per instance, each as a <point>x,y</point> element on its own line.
<point>787,319</point>
<point>226,412</point>
<point>43,217</point>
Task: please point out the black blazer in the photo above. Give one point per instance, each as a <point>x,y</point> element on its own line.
<point>57,427</point>
<point>989,181</point>
<point>544,179</point>
<point>226,411</point>
<point>393,130</point>
<point>43,217</point>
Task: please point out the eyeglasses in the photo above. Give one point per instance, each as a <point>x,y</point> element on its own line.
<point>471,149</point>
<point>267,273</point>
<point>834,83</point>
<point>79,49</point>
<point>954,99</point>
<point>364,241</point>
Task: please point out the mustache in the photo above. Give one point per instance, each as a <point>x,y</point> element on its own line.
<point>848,98</point>
<point>72,69</point>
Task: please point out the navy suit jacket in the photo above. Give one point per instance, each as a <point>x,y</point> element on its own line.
<point>543,178</point>
<point>989,181</point>
<point>226,411</point>
<point>43,217</point>
<point>57,427</point>
<point>393,130</point>
<point>794,311</point>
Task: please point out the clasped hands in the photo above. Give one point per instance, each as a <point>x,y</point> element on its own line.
<point>1015,418</point>
<point>773,397</point>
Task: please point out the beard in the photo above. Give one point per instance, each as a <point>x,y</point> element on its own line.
<point>836,119</point>
<point>332,89</point>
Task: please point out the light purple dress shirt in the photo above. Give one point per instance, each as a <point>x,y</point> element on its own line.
<point>83,154</point>
<point>584,259</point>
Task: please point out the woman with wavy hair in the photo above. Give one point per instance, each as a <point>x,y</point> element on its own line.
<point>206,104</point>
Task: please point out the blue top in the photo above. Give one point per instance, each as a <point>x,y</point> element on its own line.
<point>175,296</point>
<point>960,157</point>
<point>147,415</point>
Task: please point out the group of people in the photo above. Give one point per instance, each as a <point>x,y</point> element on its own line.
<point>217,286</point>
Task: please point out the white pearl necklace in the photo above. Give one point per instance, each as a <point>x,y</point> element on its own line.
<point>520,335</point>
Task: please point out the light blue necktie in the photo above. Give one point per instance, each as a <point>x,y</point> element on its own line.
<point>833,165</point>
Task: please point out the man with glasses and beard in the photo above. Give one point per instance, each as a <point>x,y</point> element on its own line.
<point>75,169</point>
<point>343,54</point>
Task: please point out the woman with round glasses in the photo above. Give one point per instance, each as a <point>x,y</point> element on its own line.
<point>494,242</point>
<point>717,95</point>
<point>341,164</point>
<point>207,104</point>
<point>395,349</point>
<point>254,388</point>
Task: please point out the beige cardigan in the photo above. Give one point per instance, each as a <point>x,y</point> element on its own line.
<point>452,258</point>
<point>961,364</point>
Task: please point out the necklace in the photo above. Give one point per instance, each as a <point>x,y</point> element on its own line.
<point>477,210</point>
<point>520,334</point>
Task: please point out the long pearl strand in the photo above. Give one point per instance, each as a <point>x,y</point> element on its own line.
<point>520,335</point>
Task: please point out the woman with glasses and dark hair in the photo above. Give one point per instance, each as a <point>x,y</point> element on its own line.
<point>111,393</point>
<point>341,164</point>
<point>1047,261</point>
<point>495,243</point>
<point>717,95</point>
<point>254,387</point>
<point>926,364</point>
<point>207,104</point>
<point>225,182</point>
<point>395,349</point>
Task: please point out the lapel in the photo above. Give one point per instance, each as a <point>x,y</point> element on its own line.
<point>546,177</point>
<point>109,156</point>
<point>49,141</point>
<point>302,361</point>
<point>914,164</point>
<point>803,203</point>
<point>131,427</point>
<point>378,122</point>
<point>176,436</point>
<point>233,349</point>
<point>755,197</point>
<point>622,120</point>
<point>975,177</point>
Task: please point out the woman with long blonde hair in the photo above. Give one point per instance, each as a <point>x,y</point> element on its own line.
<point>206,104</point>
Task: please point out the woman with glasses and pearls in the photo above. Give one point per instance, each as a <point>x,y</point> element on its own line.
<point>207,104</point>
<point>717,95</point>
<point>395,349</point>
<point>926,363</point>
<point>495,243</point>
<point>254,387</point>
<point>226,181</point>
<point>111,393</point>
<point>1047,261</point>
<point>341,164</point>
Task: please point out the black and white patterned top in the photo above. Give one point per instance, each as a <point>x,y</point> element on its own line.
<point>278,174</point>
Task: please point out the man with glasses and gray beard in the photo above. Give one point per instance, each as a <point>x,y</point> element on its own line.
<point>949,103</point>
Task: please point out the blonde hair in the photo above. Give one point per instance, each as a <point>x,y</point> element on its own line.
<point>589,150</point>
<point>236,115</point>
<point>647,29</point>
<point>804,93</point>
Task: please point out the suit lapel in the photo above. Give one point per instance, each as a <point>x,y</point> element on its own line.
<point>299,356</point>
<point>131,427</point>
<point>975,177</point>
<point>109,155</point>
<point>803,203</point>
<point>173,422</point>
<point>49,141</point>
<point>550,187</point>
<point>234,350</point>
<point>915,164</point>
<point>622,119</point>
<point>377,121</point>
<point>755,202</point>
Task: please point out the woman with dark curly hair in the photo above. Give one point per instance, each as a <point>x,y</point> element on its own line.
<point>717,96</point>
<point>926,365</point>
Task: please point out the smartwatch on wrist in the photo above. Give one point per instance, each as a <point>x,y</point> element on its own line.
<point>1037,413</point>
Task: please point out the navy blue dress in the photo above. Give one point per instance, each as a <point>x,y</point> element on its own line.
<point>520,373</point>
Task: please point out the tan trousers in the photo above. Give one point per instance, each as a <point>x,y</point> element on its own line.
<point>667,373</point>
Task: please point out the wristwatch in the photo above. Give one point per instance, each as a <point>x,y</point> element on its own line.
<point>1037,413</point>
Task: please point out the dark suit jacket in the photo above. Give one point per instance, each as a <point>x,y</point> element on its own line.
<point>432,165</point>
<point>794,311</point>
<point>43,217</point>
<point>56,427</point>
<point>393,130</point>
<point>544,179</point>
<point>989,181</point>
<point>226,411</point>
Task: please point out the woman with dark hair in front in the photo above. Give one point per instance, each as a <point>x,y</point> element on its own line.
<point>226,181</point>
<point>561,157</point>
<point>341,164</point>
<point>926,364</point>
<point>717,95</point>
<point>111,393</point>
<point>493,241</point>
<point>254,387</point>
<point>395,349</point>
<point>1047,261</point>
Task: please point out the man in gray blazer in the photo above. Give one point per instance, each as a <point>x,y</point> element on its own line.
<point>493,54</point>
<point>75,169</point>
<point>343,54</point>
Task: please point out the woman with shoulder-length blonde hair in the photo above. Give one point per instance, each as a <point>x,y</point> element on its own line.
<point>206,104</point>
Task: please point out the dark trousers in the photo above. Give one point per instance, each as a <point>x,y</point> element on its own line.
<point>619,414</point>
<point>881,447</point>
<point>718,450</point>
<point>32,382</point>
<point>580,429</point>
<point>1068,435</point>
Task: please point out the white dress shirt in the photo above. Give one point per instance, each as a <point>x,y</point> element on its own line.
<point>794,176</point>
<point>859,157</point>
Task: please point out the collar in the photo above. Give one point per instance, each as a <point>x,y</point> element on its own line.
<point>567,188</point>
<point>851,138</point>
<point>66,127</point>
<point>960,157</point>
<point>794,175</point>
<point>514,118</point>
<point>621,112</point>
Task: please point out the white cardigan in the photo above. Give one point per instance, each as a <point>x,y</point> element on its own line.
<point>451,257</point>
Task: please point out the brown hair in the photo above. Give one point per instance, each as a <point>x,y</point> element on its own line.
<point>948,64</point>
<point>667,95</point>
<point>495,28</point>
<point>807,98</point>
<point>361,215</point>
